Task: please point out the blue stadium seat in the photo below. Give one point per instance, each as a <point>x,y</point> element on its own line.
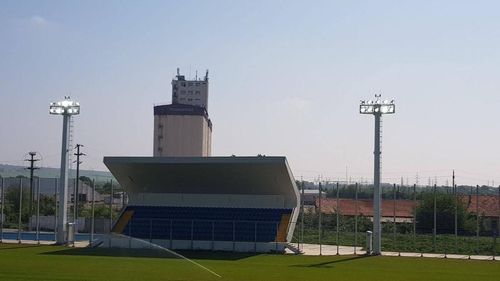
<point>218,224</point>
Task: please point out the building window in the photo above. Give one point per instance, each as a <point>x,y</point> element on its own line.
<point>197,92</point>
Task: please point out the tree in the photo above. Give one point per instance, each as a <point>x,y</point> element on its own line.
<point>86,180</point>
<point>103,188</point>
<point>47,205</point>
<point>100,211</point>
<point>445,213</point>
<point>11,209</point>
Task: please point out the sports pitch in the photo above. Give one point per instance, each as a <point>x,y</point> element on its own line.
<point>30,262</point>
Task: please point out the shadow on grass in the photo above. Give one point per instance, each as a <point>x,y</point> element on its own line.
<point>329,264</point>
<point>18,246</point>
<point>150,253</point>
<point>216,255</point>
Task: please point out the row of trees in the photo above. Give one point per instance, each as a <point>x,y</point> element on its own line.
<point>447,207</point>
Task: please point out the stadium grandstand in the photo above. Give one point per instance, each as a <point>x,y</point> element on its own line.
<point>243,204</point>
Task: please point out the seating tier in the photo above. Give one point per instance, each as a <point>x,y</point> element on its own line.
<point>208,224</point>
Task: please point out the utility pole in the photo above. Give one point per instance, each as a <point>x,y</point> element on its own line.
<point>456,214</point>
<point>78,162</point>
<point>319,216</point>
<point>32,168</point>
<point>302,214</point>
<point>453,181</point>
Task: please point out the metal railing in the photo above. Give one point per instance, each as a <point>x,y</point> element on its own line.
<point>169,231</point>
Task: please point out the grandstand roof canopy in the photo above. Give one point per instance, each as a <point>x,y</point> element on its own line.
<point>260,175</point>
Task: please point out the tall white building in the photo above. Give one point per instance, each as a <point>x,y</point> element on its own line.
<point>183,128</point>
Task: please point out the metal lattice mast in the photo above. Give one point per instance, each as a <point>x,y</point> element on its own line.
<point>66,108</point>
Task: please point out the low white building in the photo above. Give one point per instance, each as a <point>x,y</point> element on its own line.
<point>310,196</point>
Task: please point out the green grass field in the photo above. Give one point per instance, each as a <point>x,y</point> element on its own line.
<point>25,262</point>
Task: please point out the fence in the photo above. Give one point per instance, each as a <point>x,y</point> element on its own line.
<point>29,209</point>
<point>446,220</point>
<point>203,234</point>
<point>432,219</point>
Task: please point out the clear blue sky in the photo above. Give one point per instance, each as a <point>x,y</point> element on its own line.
<point>286,79</point>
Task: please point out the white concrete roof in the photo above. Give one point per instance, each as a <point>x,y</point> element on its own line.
<point>261,175</point>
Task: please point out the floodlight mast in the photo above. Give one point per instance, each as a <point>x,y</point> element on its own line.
<point>377,108</point>
<point>66,108</point>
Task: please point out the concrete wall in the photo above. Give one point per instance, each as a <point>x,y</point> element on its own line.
<point>47,223</point>
<point>181,135</point>
<point>207,200</point>
<point>207,139</point>
<point>101,225</point>
<point>121,241</point>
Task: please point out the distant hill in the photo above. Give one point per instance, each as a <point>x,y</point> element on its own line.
<point>13,171</point>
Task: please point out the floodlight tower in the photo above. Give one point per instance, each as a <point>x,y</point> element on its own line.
<point>377,108</point>
<point>66,108</point>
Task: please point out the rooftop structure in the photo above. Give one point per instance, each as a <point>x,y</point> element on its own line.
<point>190,92</point>
<point>183,128</point>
